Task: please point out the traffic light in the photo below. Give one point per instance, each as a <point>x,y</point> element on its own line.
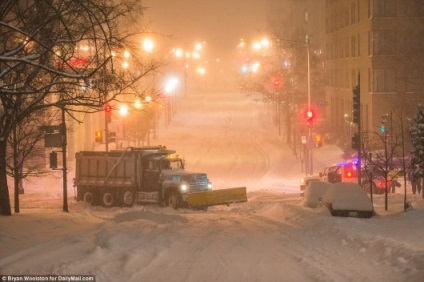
<point>310,118</point>
<point>356,105</point>
<point>384,118</point>
<point>318,141</point>
<point>356,142</point>
<point>108,112</point>
<point>277,82</point>
<point>99,137</point>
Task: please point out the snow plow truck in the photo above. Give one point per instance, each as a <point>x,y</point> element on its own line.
<point>151,174</point>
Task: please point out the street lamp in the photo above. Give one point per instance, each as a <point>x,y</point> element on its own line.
<point>148,45</point>
<point>170,86</point>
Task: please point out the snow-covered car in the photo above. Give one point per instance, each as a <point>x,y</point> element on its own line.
<point>346,198</point>
<point>304,182</point>
<point>314,193</point>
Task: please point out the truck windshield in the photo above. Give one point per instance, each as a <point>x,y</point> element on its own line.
<point>172,164</point>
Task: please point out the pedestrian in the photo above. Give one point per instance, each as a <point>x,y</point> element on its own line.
<point>412,181</point>
<point>393,176</point>
<point>419,184</point>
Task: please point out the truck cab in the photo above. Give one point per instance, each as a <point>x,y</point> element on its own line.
<point>164,174</point>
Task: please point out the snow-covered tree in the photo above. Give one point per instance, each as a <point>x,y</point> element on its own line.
<point>60,54</point>
<point>416,132</point>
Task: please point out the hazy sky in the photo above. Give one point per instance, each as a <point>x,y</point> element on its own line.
<point>221,23</point>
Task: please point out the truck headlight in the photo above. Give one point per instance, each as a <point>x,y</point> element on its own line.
<point>184,187</point>
<point>210,186</point>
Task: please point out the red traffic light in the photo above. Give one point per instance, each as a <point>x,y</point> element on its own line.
<point>309,114</point>
<point>277,82</point>
<point>310,117</point>
<point>108,108</point>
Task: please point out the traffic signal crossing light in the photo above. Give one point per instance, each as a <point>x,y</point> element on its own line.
<point>99,137</point>
<point>356,105</point>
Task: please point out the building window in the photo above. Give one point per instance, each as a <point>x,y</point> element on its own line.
<point>353,13</point>
<point>353,46</point>
<point>412,43</point>
<point>383,42</point>
<point>413,81</point>
<point>346,47</point>
<point>382,80</point>
<point>359,45</point>
<point>382,8</point>
<point>414,8</point>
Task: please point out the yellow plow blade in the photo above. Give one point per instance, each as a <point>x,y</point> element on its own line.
<point>217,197</point>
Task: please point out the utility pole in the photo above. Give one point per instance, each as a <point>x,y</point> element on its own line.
<point>356,116</point>
<point>64,169</point>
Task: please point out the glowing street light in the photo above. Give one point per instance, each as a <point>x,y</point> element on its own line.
<point>198,46</point>
<point>179,52</point>
<point>148,44</point>
<point>171,85</point>
<point>256,45</point>
<point>123,110</point>
<point>265,43</point>
<point>255,66</point>
<point>138,104</point>
<point>201,70</point>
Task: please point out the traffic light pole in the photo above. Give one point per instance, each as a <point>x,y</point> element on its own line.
<point>311,161</point>
<point>106,132</point>
<point>357,120</point>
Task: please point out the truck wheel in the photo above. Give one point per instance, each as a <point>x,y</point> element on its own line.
<point>127,198</point>
<point>108,199</point>
<point>88,197</point>
<point>173,200</point>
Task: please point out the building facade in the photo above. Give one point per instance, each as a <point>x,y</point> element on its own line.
<point>381,43</point>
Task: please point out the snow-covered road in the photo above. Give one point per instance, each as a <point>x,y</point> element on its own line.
<point>272,237</point>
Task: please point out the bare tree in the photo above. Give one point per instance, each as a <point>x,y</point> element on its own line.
<point>60,54</point>
<point>25,147</point>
